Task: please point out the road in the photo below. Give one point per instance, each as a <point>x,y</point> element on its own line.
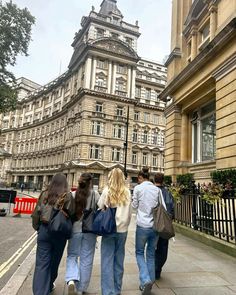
<point>17,238</point>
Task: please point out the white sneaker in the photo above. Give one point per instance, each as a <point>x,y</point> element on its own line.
<point>53,288</point>
<point>71,288</point>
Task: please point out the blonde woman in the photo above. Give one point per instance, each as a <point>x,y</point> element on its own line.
<point>115,195</point>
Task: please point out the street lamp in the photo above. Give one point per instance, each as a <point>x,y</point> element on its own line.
<point>126,143</point>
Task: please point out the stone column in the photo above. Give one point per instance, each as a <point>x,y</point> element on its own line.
<point>194,45</point>
<point>93,80</point>
<point>133,83</point>
<point>113,86</point>
<point>87,74</point>
<point>109,78</point>
<point>213,21</point>
<point>129,82</point>
<point>184,138</point>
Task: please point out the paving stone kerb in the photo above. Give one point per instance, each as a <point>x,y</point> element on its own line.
<point>192,268</point>
<point>221,245</point>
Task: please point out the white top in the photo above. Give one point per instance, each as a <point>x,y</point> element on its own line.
<point>146,196</point>
<point>123,212</point>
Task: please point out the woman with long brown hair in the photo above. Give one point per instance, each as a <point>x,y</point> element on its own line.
<point>50,248</point>
<point>115,195</point>
<point>81,244</point>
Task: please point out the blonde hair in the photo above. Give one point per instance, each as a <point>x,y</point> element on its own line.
<point>117,190</point>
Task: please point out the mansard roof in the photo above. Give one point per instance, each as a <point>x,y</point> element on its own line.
<point>109,7</point>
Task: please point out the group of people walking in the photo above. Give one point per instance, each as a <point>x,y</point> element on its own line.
<point>151,252</point>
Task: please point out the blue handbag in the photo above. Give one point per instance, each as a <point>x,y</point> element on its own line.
<point>105,222</point>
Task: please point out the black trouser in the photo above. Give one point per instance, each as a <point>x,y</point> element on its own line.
<point>48,256</point>
<point>160,255</point>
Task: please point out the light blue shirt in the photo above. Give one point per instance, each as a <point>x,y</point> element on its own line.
<point>146,196</point>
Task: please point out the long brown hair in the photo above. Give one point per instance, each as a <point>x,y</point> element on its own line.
<point>82,193</point>
<point>57,187</point>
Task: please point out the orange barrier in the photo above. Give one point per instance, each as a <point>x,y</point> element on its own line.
<point>24,205</point>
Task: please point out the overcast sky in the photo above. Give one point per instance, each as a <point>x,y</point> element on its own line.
<point>58,20</point>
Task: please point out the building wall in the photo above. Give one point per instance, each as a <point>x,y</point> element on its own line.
<point>200,135</point>
<point>226,121</point>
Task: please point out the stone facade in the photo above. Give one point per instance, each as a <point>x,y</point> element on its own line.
<point>201,88</point>
<point>77,123</point>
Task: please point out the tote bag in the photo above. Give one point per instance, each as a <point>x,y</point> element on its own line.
<point>60,224</point>
<point>163,221</point>
<point>88,216</point>
<point>105,221</point>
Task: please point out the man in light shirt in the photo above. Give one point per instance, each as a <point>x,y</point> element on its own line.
<point>145,197</point>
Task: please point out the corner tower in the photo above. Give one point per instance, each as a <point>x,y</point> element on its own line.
<point>105,49</point>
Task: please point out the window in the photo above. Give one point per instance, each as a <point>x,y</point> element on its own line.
<point>134,158</point>
<point>96,128</point>
<point>145,137</point>
<point>136,115</point>
<point>146,117</point>
<point>115,20</point>
<point>135,135</point>
<point>204,134</point>
<point>138,91</point>
<point>100,33</point>
<point>115,35</point>
<point>116,154</point>
<point>95,152</point>
<point>102,64</point>
<point>148,93</point>
<point>99,107</point>
<point>120,111</point>
<point>117,131</point>
<point>120,85</point>
<point>155,119</point>
<point>145,159</point>
<point>154,160</point>
<point>121,69</point>
<point>149,78</point>
<point>155,138</point>
<point>205,32</point>
<point>129,41</point>
<point>100,81</point>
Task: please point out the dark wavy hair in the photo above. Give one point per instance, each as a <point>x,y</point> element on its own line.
<point>82,193</point>
<point>57,187</point>
<point>144,173</point>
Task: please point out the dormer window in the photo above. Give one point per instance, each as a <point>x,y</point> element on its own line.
<point>115,35</point>
<point>129,41</point>
<point>115,20</point>
<point>100,33</point>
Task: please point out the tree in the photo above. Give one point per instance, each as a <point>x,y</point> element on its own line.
<point>15,36</point>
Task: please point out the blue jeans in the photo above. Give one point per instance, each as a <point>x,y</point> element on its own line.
<point>80,245</point>
<point>112,263</point>
<point>48,256</point>
<point>146,237</point>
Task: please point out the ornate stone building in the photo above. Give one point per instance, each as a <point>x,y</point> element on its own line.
<point>77,123</point>
<point>201,88</point>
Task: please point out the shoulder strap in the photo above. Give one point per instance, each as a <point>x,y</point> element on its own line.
<point>92,202</point>
<point>161,200</point>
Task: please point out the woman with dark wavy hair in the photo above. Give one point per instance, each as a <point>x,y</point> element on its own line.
<point>50,249</point>
<point>81,244</point>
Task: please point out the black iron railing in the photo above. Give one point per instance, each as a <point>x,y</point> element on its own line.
<point>217,219</point>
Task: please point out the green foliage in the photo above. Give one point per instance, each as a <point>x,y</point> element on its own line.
<point>211,192</point>
<point>167,180</point>
<point>184,179</point>
<point>15,35</point>
<point>224,177</point>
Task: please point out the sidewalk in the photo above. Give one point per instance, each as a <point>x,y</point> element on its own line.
<point>192,269</point>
